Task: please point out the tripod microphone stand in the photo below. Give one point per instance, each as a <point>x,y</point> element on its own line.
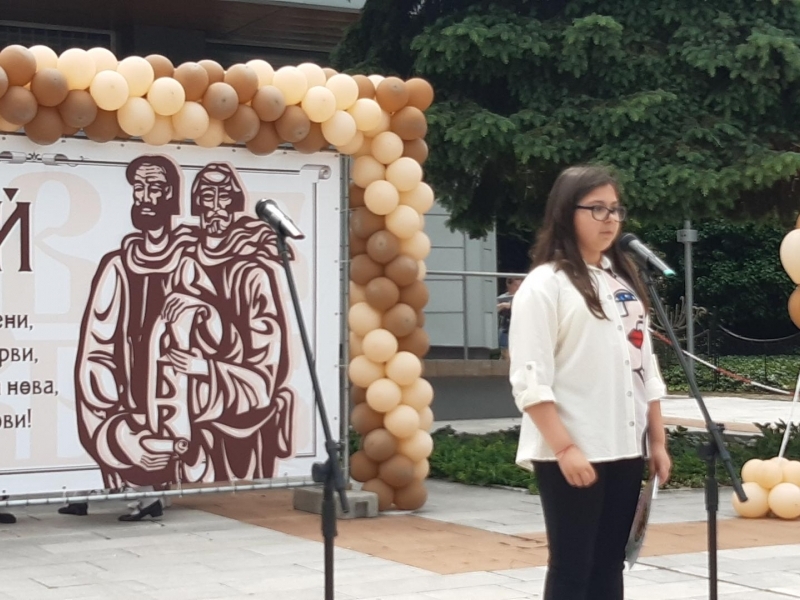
<point>329,473</point>
<point>711,451</point>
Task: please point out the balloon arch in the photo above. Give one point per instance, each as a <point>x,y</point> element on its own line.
<point>379,121</point>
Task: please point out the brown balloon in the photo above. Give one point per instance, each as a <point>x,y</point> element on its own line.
<point>416,149</point>
<point>244,80</point>
<point>420,93</point>
<point>358,395</point>
<point>221,101</point>
<point>409,123</point>
<point>69,131</point>
<point>398,471</point>
<point>402,270</point>
<point>18,106</point>
<point>357,246</point>
<point>329,72</point>
<point>411,497</point>
<point>266,141</point>
<point>3,82</point>
<point>356,196</point>
<point>382,293</point>
<point>362,468</point>
<point>216,73</point>
<point>269,103</point>
<point>19,63</point>
<point>379,445</point>
<point>416,295</point>
<point>194,80</point>
<point>104,128</point>
<point>420,318</point>
<point>366,89</point>
<point>384,492</point>
<point>162,66</point>
<point>50,87</point>
<point>78,109</point>
<point>400,320</point>
<point>391,94</point>
<point>418,343</point>
<point>46,127</point>
<point>364,419</point>
<point>383,247</point>
<point>313,142</point>
<point>364,222</point>
<point>363,269</point>
<point>293,125</point>
<point>243,126</point>
<point>794,307</point>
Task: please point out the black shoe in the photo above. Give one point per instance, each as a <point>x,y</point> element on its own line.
<point>80,509</point>
<point>7,519</point>
<point>154,511</point>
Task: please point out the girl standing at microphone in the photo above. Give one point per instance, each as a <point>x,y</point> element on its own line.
<point>584,375</point>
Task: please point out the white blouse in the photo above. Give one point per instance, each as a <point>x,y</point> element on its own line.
<point>600,373</point>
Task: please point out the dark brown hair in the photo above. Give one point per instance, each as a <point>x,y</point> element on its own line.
<point>556,241</point>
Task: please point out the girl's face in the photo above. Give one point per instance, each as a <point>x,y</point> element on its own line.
<point>596,226</point>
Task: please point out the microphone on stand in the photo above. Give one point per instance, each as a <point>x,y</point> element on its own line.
<point>643,256</point>
<point>269,212</point>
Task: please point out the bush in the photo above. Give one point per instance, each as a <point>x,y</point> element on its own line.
<point>777,371</point>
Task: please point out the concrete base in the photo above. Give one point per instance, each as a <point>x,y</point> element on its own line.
<point>362,504</point>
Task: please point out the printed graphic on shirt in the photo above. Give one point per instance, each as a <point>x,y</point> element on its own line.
<point>632,313</point>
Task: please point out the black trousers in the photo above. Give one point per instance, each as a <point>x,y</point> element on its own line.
<point>587,529</point>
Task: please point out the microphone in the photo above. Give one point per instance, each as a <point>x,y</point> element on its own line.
<point>268,211</point>
<point>643,256</point>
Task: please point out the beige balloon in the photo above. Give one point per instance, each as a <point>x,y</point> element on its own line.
<point>356,345</point>
<point>78,67</point>
<point>421,469</point>
<point>790,255</point>
<point>263,70</point>
<point>387,147</point>
<point>8,127</point>
<point>417,447</point>
<point>109,90</point>
<point>768,475</point>
<point>292,83</point>
<point>363,372</point>
<point>345,89</point>
<point>383,125</point>
<point>161,133</point>
<point>319,104</point>
<point>750,469</point>
<point>192,122</point>
<point>757,505</point>
<point>314,74</point>
<point>136,117</point>
<point>402,421</point>
<point>422,270</point>
<point>365,149</point>
<point>783,500</point>
<point>403,221</point>
<point>426,418</point>
<point>138,73</point>
<point>362,319</point>
<point>405,173</point>
<point>376,79</point>
<point>418,395</point>
<point>420,198</point>
<point>383,395</point>
<point>213,136</point>
<point>404,368</point>
<point>381,197</point>
<point>791,472</point>
<point>379,345</point>
<point>367,114</point>
<point>46,58</point>
<point>366,170</point>
<point>353,145</point>
<point>104,59</point>
<point>417,246</point>
<point>166,96</point>
<point>340,129</point>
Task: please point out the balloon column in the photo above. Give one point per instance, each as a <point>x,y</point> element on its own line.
<point>378,120</point>
<point>771,486</point>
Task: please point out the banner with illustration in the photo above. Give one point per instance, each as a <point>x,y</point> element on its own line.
<point>147,335</point>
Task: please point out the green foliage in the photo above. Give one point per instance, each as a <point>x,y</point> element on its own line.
<point>777,371</point>
<point>694,103</point>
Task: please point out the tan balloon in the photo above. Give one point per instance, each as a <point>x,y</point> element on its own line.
<point>783,500</point>
<point>383,395</point>
<point>292,82</point>
<point>214,134</point>
<point>380,445</point>
<point>418,394</point>
<point>416,295</point>
<point>387,147</point>
<point>416,149</point>
<point>243,126</point>
<point>215,71</point>
<point>383,490</point>
<point>314,74</point>
<point>78,109</point>
<point>19,64</point>
<point>192,122</point>
<point>402,270</point>
<point>379,345</point>
<point>398,471</point>
<point>404,368</point>
<point>366,89</point>
<point>46,58</point>
<point>404,222</point>
<point>110,90</point>
<point>103,58</point>
<point>166,96</point>
<point>391,94</point>
<point>381,197</point>
<point>356,293</point>
<point>417,342</point>
<point>294,125</point>
<point>362,468</point>
<point>404,173</point>
<point>422,270</point>
<point>417,447</point>
<point>136,117</point>
<point>358,395</point>
<point>7,126</point>
<point>409,123</point>
<point>421,469</point>
<point>383,247</point>
<point>420,198</point>
<point>420,93</point>
<point>263,70</point>
<point>194,80</point>
<point>362,319</point>
<point>367,114</point>
<point>269,103</point>
<point>3,82</point>
<point>313,142</point>
<point>363,371</point>
<point>400,320</point>
<point>266,141</point>
<point>366,147</point>
<point>18,105</point>
<point>162,66</point>
<point>345,89</point>
<point>220,101</point>
<point>244,80</point>
<point>366,170</point>
<point>138,73</point>
<point>411,497</point>
<point>46,127</point>
<point>340,129</point>
<point>794,307</point>
<point>49,86</point>
<point>363,269</point>
<point>364,419</point>
<point>356,348</point>
<point>104,127</point>
<point>382,293</point>
<point>401,421</point>
<point>329,72</point>
<point>78,68</point>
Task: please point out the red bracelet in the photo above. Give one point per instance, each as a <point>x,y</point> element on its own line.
<point>563,450</point>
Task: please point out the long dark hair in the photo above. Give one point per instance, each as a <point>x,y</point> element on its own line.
<point>556,241</point>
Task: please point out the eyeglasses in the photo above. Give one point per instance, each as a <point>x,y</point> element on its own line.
<point>602,213</point>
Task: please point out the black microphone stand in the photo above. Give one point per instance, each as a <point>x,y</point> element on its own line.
<point>328,473</point>
<point>712,450</point>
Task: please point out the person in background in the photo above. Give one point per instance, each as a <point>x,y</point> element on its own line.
<point>504,313</point>
<point>585,378</point>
